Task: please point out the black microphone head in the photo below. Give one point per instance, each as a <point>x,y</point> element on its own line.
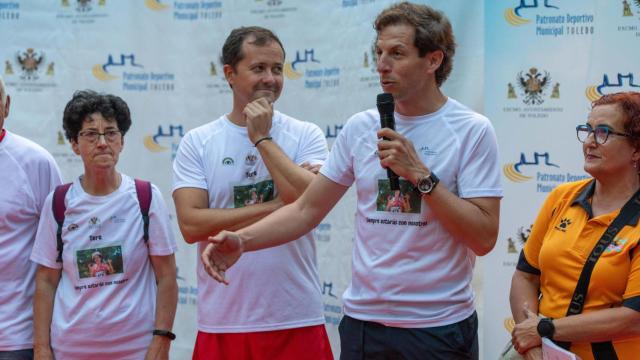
<point>385,103</point>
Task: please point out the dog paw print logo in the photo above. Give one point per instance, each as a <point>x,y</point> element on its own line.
<point>563,225</point>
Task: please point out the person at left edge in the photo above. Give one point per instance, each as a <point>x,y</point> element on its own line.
<point>77,314</point>
<point>29,173</point>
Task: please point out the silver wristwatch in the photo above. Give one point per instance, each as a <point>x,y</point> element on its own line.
<point>426,184</point>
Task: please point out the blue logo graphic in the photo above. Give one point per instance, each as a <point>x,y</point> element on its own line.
<point>514,173</point>
<point>623,82</point>
<point>101,72</point>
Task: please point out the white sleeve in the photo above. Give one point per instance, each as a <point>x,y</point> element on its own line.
<point>479,167</point>
<point>313,146</point>
<point>44,250</point>
<point>161,235</point>
<point>188,169</point>
<point>339,165</point>
<point>48,178</point>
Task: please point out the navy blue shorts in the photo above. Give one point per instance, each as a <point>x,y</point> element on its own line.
<point>369,340</point>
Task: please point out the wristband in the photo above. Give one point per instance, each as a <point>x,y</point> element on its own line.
<point>261,140</point>
<point>165,333</point>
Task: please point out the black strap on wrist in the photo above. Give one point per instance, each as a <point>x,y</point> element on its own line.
<point>165,333</point>
<point>262,139</point>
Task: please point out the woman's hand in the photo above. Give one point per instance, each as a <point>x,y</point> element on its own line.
<point>525,334</point>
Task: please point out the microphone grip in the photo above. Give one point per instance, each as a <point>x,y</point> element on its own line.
<point>394,180</point>
<point>385,108</point>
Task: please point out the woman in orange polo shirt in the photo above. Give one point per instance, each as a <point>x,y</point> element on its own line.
<point>604,319</point>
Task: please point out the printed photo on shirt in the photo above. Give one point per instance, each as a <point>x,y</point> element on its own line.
<point>404,200</point>
<point>252,194</point>
<point>98,262</point>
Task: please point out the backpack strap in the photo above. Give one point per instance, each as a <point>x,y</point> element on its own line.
<point>58,206</point>
<point>143,191</point>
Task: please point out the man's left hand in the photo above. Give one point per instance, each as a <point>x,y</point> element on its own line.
<point>159,348</point>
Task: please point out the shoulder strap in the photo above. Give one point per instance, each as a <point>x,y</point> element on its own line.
<point>143,191</point>
<point>628,211</point>
<point>58,206</point>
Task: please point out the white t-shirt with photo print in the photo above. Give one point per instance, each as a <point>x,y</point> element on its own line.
<point>271,289</point>
<point>113,314</point>
<point>408,271</point>
<point>29,173</point>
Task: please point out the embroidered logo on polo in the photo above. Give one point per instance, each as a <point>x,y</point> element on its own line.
<point>72,227</point>
<point>228,161</point>
<point>616,245</point>
<point>563,225</point>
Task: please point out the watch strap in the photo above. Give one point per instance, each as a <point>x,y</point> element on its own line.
<point>165,333</point>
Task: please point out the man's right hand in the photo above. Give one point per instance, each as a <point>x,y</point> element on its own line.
<point>258,115</point>
<point>221,253</point>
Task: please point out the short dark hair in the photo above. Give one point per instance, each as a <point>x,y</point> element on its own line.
<point>86,102</point>
<point>433,31</point>
<point>629,103</point>
<point>232,48</point>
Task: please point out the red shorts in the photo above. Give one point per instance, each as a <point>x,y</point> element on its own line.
<point>309,342</point>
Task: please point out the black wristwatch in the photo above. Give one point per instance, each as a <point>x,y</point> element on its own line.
<point>546,328</point>
<point>165,333</point>
<point>426,184</point>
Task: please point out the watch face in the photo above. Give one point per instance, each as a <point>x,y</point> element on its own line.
<point>425,185</point>
<point>545,328</point>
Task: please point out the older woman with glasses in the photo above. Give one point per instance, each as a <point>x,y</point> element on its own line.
<point>577,282</point>
<point>106,279</point>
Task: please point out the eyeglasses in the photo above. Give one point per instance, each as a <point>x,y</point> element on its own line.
<point>600,133</point>
<point>93,136</point>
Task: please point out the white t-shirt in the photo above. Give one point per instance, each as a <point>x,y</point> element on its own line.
<point>29,173</point>
<point>406,273</point>
<point>272,289</point>
<point>105,301</point>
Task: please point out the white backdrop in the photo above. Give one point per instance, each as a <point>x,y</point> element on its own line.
<point>162,58</point>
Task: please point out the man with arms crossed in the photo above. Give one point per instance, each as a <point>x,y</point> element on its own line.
<point>273,309</point>
<point>29,174</point>
<point>410,295</point>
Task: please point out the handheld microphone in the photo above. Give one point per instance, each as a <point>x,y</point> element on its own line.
<point>385,108</point>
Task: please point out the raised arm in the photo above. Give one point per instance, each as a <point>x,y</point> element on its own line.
<point>284,225</point>
<point>290,179</point>
<point>474,221</point>
<point>197,221</point>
